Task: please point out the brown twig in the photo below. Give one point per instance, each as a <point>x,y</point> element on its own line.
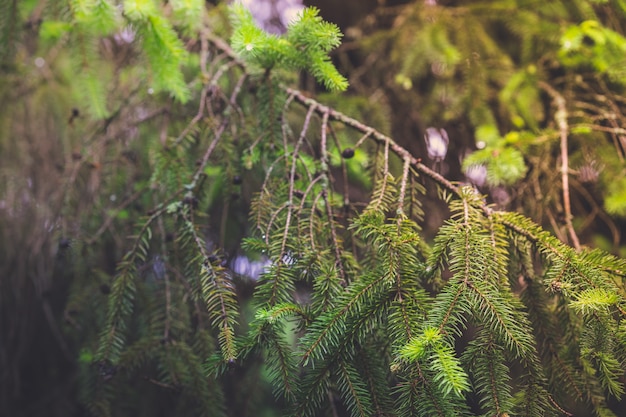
<point>329,211</point>
<point>344,169</point>
<point>561,120</point>
<point>292,179</point>
<point>405,179</point>
<point>376,135</point>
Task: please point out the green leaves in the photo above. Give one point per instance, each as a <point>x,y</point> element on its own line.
<point>305,45</point>
<point>486,363</point>
<point>505,164</point>
<point>165,51</point>
<point>250,41</point>
<point>121,300</point>
<point>152,32</point>
<point>615,201</point>
<point>590,42</point>
<point>188,12</point>
<point>430,349</point>
<point>99,16</point>
<point>595,300</point>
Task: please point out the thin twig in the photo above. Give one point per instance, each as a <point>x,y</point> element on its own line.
<point>376,135</point>
<point>197,117</point>
<point>303,200</point>
<point>218,135</point>
<point>363,138</point>
<point>561,119</point>
<point>329,210</point>
<point>344,169</point>
<point>292,179</point>
<point>166,278</point>
<point>311,222</point>
<point>405,178</point>
<point>270,223</point>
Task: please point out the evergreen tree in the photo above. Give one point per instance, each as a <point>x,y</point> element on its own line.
<point>203,153</point>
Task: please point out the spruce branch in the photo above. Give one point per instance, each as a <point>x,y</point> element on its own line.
<point>372,367</point>
<point>354,393</point>
<point>218,293</point>
<point>368,131</point>
<point>267,332</point>
<point>324,332</point>
<point>122,297</point>
<point>490,374</point>
<point>474,244</point>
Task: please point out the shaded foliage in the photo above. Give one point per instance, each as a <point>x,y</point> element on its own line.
<point>146,142</point>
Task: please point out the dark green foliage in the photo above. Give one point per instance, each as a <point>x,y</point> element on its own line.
<point>490,375</point>
<point>356,310</point>
<point>9,31</point>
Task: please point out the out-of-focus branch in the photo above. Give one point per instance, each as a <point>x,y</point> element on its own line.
<point>561,120</point>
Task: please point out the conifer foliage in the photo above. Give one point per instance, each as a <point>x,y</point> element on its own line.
<point>357,312</point>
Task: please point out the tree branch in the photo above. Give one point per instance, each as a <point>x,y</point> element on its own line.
<point>561,120</point>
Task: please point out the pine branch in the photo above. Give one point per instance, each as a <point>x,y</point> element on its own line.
<point>218,293</point>
<point>378,296</point>
<point>123,294</point>
<point>490,374</point>
<point>353,391</point>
